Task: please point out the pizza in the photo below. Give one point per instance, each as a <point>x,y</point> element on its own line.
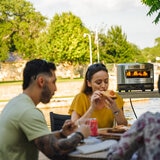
<point>110,93</point>
<point>118,129</point>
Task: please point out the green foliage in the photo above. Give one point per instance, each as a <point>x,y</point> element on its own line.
<point>20,25</point>
<point>154,6</point>
<point>4,40</point>
<point>116,49</point>
<point>65,41</point>
<point>25,32</point>
<point>152,53</point>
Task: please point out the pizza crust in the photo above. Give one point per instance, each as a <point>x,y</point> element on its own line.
<point>110,93</point>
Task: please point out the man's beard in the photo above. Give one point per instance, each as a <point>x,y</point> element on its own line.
<point>46,94</point>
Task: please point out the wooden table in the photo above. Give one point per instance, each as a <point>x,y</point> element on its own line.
<point>92,156</point>
<point>76,155</point>
<point>101,155</point>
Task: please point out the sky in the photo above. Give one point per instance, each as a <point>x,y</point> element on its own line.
<point>130,15</point>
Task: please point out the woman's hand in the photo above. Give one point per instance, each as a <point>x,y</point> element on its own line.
<point>97,100</point>
<point>118,114</point>
<point>111,104</point>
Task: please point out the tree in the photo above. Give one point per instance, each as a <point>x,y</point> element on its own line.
<point>154,6</point>
<point>115,48</point>
<point>64,40</point>
<point>20,24</point>
<point>152,53</point>
<point>4,42</point>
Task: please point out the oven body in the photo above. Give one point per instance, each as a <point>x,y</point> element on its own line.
<point>135,76</point>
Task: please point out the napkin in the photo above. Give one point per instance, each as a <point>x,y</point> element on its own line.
<point>92,140</point>
<point>86,148</point>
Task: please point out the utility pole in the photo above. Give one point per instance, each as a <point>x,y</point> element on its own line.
<point>90,46</point>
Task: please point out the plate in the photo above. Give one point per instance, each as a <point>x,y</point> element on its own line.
<point>107,135</point>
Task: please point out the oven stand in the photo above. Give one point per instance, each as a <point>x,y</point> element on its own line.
<point>133,108</point>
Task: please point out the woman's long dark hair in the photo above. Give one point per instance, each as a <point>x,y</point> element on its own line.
<point>92,69</point>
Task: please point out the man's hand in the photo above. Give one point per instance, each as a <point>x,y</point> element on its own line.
<point>84,129</point>
<point>68,127</point>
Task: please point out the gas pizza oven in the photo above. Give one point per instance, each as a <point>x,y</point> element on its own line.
<point>135,76</point>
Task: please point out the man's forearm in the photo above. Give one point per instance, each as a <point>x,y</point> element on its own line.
<point>53,147</point>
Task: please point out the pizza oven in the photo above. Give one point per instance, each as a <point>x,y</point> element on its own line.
<point>135,76</point>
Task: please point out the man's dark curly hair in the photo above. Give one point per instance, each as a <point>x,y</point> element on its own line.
<point>35,67</point>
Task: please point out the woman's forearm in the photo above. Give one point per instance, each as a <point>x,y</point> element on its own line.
<point>120,118</point>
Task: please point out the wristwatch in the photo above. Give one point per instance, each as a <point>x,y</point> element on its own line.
<point>116,112</point>
<point>61,134</point>
<point>79,133</point>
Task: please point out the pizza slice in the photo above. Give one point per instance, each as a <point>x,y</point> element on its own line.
<point>110,93</point>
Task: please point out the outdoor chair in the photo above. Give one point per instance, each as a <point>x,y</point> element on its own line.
<point>57,120</point>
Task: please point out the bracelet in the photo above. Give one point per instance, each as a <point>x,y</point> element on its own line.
<point>81,135</point>
<point>61,134</point>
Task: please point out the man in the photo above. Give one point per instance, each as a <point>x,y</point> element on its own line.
<point>23,129</point>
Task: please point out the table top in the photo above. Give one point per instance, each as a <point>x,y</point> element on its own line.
<point>92,156</point>
<point>100,155</point>
<point>140,94</point>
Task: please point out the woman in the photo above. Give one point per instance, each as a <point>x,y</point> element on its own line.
<point>141,141</point>
<point>90,102</point>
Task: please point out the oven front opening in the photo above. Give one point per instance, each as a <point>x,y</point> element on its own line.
<point>137,74</point>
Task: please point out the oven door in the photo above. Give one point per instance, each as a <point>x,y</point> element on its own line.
<point>134,76</point>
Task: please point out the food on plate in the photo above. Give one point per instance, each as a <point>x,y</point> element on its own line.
<point>109,93</point>
<point>118,129</point>
<point>106,135</point>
